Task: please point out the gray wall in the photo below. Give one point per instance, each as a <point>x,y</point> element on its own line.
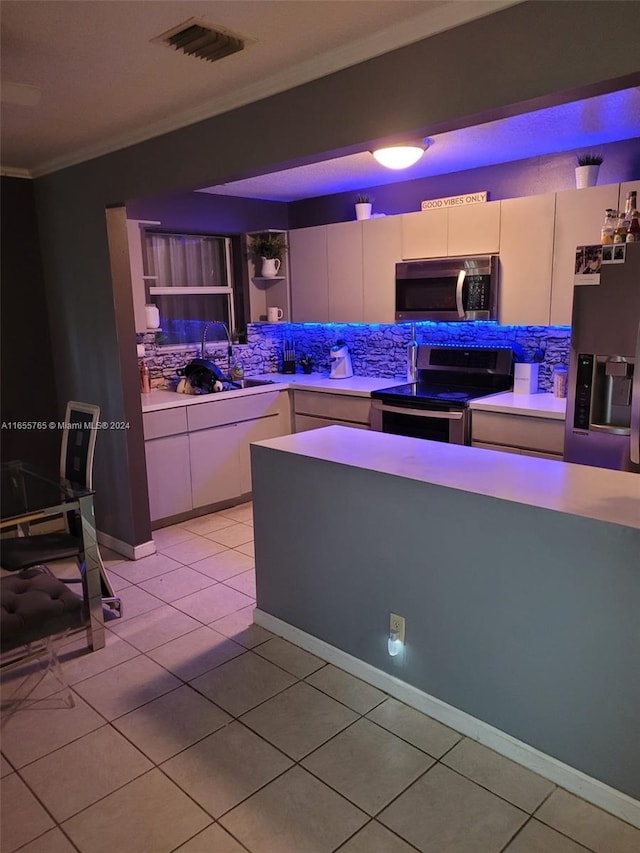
<point>28,381</point>
<point>524,56</point>
<point>522,617</point>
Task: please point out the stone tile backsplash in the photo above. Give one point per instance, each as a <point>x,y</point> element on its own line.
<point>376,350</point>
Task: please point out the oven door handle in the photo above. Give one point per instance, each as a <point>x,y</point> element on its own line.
<point>419,413</point>
<point>459,305</point>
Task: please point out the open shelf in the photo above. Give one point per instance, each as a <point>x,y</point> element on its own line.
<point>267,279</point>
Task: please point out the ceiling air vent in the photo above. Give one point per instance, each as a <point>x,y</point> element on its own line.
<point>195,38</point>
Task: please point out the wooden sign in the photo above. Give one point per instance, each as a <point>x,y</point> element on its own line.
<point>455,200</point>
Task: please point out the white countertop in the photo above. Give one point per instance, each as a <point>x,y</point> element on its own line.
<point>536,405</point>
<point>355,386</point>
<point>597,493</point>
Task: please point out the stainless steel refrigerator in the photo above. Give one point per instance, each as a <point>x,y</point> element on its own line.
<point>603,400</point>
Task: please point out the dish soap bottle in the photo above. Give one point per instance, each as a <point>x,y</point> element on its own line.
<point>412,356</point>
<point>237,371</point>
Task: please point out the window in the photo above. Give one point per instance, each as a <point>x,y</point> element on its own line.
<point>190,279</point>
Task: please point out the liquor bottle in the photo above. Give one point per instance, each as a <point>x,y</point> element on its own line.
<point>633,234</point>
<point>631,204</point>
<point>622,229</point>
<point>609,227</point>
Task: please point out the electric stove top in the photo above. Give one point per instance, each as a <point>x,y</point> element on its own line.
<point>453,375</point>
<point>427,392</point>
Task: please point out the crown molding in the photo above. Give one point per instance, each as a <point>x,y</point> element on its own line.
<point>12,172</point>
<point>406,32</point>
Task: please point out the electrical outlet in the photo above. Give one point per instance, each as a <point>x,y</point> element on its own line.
<point>397,626</point>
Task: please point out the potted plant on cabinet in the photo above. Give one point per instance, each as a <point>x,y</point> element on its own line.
<point>270,247</point>
<point>587,170</point>
<point>363,206</point>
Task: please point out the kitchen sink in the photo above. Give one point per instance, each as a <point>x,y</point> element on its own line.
<point>253,383</point>
<point>238,385</point>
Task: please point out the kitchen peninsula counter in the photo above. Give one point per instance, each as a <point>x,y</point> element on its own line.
<point>518,579</point>
<point>596,493</point>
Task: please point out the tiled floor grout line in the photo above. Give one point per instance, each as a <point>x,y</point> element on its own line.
<point>297,763</point>
<point>364,826</point>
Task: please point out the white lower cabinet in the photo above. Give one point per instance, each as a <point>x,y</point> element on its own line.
<point>305,422</point>
<point>207,460</point>
<point>168,476</point>
<point>524,434</point>
<point>214,461</point>
<point>313,410</point>
<point>258,430</point>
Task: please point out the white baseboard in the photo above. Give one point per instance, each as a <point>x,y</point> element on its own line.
<point>131,552</point>
<point>590,789</point>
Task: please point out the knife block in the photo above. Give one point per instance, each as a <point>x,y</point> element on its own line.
<point>288,358</point>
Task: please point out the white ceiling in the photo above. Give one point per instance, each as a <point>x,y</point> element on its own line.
<point>104,84</point>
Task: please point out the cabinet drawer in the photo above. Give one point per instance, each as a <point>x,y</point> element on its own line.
<point>165,422</point>
<point>332,406</point>
<point>220,412</point>
<point>305,422</point>
<point>520,431</point>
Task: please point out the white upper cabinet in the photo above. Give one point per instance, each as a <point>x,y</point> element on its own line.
<point>424,234</point>
<point>526,260</point>
<point>308,261</point>
<point>474,229</point>
<point>625,189</point>
<point>344,253</point>
<point>381,250</point>
<point>579,218</point>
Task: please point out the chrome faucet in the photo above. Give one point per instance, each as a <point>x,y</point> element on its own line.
<point>204,341</point>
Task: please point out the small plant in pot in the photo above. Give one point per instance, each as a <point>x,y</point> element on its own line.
<point>306,363</point>
<point>587,168</point>
<point>364,202</point>
<point>270,247</point>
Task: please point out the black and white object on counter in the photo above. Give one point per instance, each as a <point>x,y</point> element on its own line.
<point>288,357</point>
<point>436,406</point>
<point>341,367</point>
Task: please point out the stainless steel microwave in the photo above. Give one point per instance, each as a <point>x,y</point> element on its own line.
<point>447,289</point>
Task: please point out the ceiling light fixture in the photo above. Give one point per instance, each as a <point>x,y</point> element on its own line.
<point>400,156</point>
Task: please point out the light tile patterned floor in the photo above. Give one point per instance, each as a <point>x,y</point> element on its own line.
<point>196,731</point>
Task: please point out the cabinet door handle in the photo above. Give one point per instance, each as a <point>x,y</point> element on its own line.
<point>459,305</point>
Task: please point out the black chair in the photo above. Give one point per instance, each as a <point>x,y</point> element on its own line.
<point>37,613</point>
<point>76,466</point>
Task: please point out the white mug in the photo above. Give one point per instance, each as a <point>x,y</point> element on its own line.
<point>274,314</point>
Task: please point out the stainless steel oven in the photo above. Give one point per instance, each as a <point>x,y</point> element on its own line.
<point>436,407</point>
<point>436,422</point>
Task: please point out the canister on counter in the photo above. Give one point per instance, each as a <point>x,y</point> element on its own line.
<point>560,381</point>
